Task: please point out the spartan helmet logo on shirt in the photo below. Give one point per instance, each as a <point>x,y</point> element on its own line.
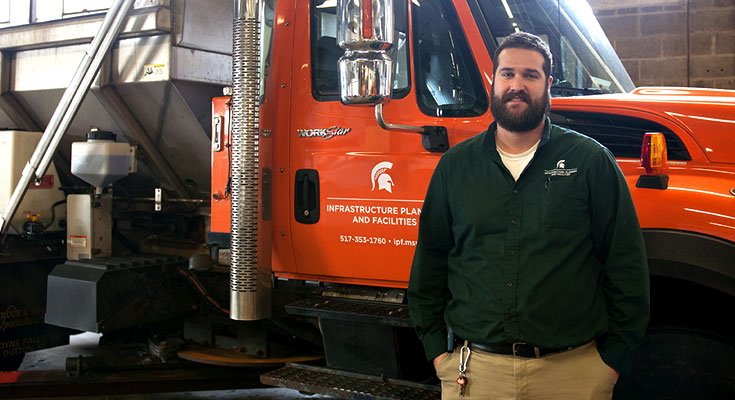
<point>380,175</point>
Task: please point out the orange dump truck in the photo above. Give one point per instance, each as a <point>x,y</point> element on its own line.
<point>343,185</point>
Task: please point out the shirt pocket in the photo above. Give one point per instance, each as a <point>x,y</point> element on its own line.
<point>565,204</point>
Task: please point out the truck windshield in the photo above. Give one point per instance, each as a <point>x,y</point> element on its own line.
<point>584,62</point>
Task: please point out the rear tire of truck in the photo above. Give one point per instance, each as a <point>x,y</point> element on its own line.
<point>680,363</point>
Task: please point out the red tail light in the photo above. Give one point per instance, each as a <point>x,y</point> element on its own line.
<point>367,19</point>
<point>653,153</point>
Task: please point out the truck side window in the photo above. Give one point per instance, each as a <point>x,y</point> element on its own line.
<point>448,83</point>
<point>622,135</point>
<point>266,33</point>
<point>325,53</point>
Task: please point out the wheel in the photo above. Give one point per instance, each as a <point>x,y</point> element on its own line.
<point>680,363</point>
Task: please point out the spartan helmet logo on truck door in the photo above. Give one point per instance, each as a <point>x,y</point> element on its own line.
<point>379,174</point>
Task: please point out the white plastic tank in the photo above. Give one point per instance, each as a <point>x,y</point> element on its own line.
<point>100,160</point>
<point>16,148</point>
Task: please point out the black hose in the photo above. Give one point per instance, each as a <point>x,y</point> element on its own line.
<point>202,291</point>
<point>53,213</point>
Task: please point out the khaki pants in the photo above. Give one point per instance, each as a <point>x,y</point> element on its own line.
<point>579,373</point>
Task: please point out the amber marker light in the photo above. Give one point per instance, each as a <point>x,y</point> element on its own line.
<point>653,160</point>
<point>367,19</point>
<point>653,153</point>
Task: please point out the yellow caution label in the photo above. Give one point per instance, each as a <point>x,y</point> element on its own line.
<point>154,71</point>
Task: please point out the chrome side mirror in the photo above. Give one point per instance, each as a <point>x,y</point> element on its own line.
<point>365,32</point>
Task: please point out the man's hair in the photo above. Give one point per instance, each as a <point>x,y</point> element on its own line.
<point>524,40</point>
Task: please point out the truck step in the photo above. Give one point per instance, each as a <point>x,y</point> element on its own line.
<point>347,385</point>
<point>352,310</point>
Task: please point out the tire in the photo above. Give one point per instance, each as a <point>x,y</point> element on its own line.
<point>680,363</point>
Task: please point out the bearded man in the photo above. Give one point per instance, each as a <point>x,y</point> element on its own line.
<point>530,271</point>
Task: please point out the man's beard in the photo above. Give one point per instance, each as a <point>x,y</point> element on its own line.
<point>524,121</point>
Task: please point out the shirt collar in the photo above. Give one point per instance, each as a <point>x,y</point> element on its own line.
<point>489,141</point>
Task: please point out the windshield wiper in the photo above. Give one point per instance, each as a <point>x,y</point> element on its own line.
<point>577,91</point>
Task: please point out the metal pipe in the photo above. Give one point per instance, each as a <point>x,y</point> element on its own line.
<point>249,280</point>
<point>171,200</point>
<point>72,97</point>
<point>246,9</point>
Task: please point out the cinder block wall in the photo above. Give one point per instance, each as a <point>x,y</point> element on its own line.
<point>672,42</point>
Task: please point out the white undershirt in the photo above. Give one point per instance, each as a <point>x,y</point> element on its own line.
<point>516,163</point>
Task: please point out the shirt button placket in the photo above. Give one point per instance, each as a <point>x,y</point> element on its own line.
<point>512,245</point>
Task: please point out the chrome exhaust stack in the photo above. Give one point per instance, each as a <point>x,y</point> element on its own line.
<point>250,282</point>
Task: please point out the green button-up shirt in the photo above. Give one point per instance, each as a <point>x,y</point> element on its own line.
<point>554,259</point>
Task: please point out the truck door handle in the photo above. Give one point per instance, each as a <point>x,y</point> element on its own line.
<point>306,196</point>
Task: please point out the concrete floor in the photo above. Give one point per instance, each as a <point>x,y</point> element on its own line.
<point>85,344</point>
<point>248,394</point>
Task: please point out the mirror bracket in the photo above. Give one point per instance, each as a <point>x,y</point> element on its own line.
<point>433,138</point>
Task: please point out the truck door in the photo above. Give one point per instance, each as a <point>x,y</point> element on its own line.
<point>357,189</point>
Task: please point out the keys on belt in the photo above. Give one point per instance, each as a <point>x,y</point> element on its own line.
<point>464,356</point>
<point>518,349</point>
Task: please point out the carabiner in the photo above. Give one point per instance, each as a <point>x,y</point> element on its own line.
<point>463,358</point>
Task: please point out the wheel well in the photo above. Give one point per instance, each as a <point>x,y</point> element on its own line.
<point>691,257</point>
<point>677,302</point>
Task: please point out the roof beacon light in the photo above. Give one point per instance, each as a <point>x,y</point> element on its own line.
<point>367,19</point>
<point>653,160</point>
<point>653,153</point>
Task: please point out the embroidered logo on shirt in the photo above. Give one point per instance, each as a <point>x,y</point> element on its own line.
<point>560,169</point>
<point>379,175</point>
